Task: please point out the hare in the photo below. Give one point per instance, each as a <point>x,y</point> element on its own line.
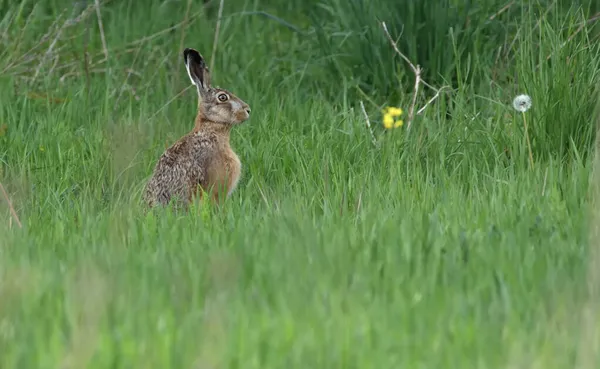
<point>202,161</point>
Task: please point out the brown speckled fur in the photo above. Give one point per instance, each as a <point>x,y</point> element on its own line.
<point>202,160</point>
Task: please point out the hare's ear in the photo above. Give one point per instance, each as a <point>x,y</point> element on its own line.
<point>196,68</point>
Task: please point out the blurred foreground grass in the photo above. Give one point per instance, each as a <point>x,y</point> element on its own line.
<point>438,247</point>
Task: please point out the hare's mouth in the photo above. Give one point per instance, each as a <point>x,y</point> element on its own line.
<point>243,115</point>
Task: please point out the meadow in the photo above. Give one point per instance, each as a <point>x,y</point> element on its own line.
<point>458,239</point>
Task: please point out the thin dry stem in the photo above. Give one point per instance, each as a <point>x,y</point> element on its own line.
<point>10,206</point>
<point>387,33</point>
<point>53,31</point>
<point>368,122</point>
<point>430,86</point>
<point>162,32</point>
<point>34,54</point>
<point>504,8</point>
<point>101,27</point>
<point>79,73</point>
<point>183,29</point>
<point>126,79</point>
<point>50,49</point>
<point>24,57</point>
<point>411,110</point>
<point>216,40</point>
<point>437,94</point>
<point>170,101</point>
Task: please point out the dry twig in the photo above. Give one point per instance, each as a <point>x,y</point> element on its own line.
<point>418,81</point>
<point>368,122</point>
<point>437,94</point>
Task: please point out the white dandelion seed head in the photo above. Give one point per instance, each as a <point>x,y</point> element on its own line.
<point>522,103</point>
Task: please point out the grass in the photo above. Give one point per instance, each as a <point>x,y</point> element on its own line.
<point>435,247</point>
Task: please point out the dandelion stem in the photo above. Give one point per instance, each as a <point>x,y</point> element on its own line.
<point>528,142</point>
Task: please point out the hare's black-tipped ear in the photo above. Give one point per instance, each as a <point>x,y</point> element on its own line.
<point>196,68</point>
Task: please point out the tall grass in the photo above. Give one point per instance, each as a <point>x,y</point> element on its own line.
<point>435,247</point>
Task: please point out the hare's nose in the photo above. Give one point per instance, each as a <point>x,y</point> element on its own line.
<point>248,111</point>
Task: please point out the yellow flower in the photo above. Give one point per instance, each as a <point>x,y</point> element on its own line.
<point>388,121</point>
<point>42,148</point>
<point>388,117</point>
<point>394,112</point>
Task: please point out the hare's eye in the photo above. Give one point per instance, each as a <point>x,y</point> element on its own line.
<point>222,97</point>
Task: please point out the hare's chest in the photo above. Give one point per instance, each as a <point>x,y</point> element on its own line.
<point>224,172</point>
<point>236,172</point>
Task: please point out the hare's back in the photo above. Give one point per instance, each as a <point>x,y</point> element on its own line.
<point>173,175</point>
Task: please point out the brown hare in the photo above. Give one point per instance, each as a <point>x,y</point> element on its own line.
<point>202,161</point>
